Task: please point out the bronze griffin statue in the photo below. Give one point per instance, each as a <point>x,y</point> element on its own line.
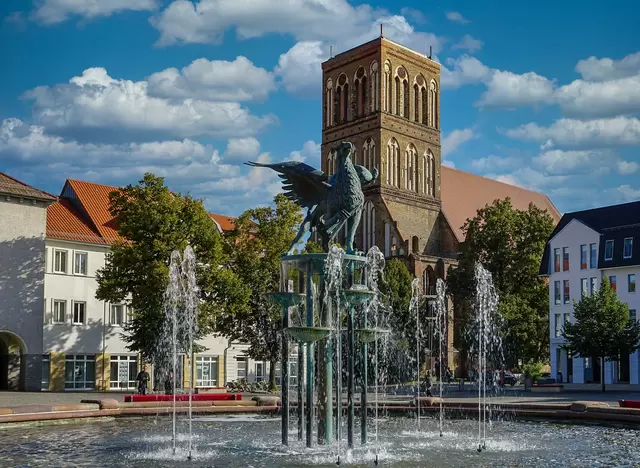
<point>331,201</point>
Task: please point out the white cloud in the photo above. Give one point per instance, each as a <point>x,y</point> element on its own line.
<point>506,89</point>
<point>217,80</point>
<point>100,108</point>
<point>468,43</point>
<point>456,138</point>
<point>575,161</point>
<point>628,193</point>
<point>243,148</point>
<point>310,154</point>
<point>604,69</point>
<point>448,163</point>
<point>570,133</point>
<point>31,148</point>
<point>579,99</point>
<point>413,14</point>
<point>57,11</point>
<point>587,99</point>
<point>299,67</point>
<point>529,178</point>
<point>627,167</point>
<point>493,163</point>
<point>464,70</point>
<point>456,17</point>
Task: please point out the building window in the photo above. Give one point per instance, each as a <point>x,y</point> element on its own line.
<point>565,259</point>
<point>613,283</point>
<point>593,256</point>
<point>118,314</point>
<point>59,311</point>
<point>80,263</point>
<point>46,372</point>
<point>241,364</point>
<point>123,372</point>
<point>608,250</point>
<point>80,372</point>
<point>206,371</point>
<point>556,260</point>
<point>556,291</point>
<point>631,279</point>
<point>632,315</point>
<point>59,261</point>
<point>593,286</point>
<point>79,313</point>
<point>567,295</point>
<point>260,371</point>
<point>584,286</point>
<point>557,325</point>
<point>583,257</point>
<point>567,319</point>
<point>628,247</point>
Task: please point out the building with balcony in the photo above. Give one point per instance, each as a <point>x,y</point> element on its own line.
<point>583,248</point>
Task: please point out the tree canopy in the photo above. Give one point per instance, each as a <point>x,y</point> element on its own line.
<point>601,328</point>
<point>262,235</point>
<point>153,222</point>
<point>509,243</point>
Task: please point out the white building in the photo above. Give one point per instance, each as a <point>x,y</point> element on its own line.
<point>83,348</point>
<point>584,247</point>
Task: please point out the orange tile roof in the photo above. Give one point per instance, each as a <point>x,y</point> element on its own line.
<point>64,221</point>
<point>463,194</point>
<point>11,186</point>
<point>226,223</point>
<point>94,198</point>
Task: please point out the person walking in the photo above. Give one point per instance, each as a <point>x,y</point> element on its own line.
<point>143,379</point>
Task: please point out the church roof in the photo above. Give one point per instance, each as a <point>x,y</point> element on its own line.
<point>463,194</point>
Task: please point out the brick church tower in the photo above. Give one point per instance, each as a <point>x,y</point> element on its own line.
<point>385,98</point>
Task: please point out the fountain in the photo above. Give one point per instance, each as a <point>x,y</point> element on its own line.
<point>441,333</point>
<point>179,329</point>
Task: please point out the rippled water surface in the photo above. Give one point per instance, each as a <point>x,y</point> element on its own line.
<point>254,442</point>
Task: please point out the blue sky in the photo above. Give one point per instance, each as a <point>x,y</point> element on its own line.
<point>546,96</point>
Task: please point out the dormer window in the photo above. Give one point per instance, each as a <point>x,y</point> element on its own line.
<point>608,250</point>
<point>628,247</point>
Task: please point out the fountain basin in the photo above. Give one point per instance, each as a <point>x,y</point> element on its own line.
<point>287,299</point>
<point>369,335</point>
<point>308,334</point>
<point>358,296</point>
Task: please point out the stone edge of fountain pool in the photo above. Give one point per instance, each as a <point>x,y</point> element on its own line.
<point>587,412</point>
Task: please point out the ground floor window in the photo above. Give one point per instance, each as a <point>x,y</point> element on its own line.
<point>260,371</point>
<point>80,372</point>
<point>123,371</point>
<point>46,372</point>
<point>206,371</point>
<point>241,363</point>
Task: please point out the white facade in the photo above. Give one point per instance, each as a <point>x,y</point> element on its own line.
<point>569,278</point>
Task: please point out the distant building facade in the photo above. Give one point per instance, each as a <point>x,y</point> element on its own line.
<point>22,264</point>
<point>583,248</point>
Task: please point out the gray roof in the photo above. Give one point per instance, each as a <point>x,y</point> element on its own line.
<point>13,187</point>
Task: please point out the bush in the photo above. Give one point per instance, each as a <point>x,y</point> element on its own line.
<point>533,371</point>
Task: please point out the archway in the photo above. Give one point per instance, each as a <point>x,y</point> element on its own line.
<point>13,354</point>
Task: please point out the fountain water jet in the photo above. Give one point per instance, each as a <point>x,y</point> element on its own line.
<point>414,307</point>
<point>441,330</point>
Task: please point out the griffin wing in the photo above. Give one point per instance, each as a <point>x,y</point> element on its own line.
<point>302,183</point>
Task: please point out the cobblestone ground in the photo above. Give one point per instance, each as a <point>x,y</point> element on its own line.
<point>510,395</point>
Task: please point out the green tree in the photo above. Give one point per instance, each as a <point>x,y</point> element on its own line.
<point>262,236</point>
<point>601,328</point>
<point>153,222</point>
<point>395,289</point>
<point>509,243</point>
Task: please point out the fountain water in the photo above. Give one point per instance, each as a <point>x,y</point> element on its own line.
<point>441,332</point>
<point>487,346</point>
<point>180,327</point>
<point>414,307</point>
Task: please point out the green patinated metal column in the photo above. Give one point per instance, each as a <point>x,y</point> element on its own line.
<point>300,373</point>
<point>285,376</point>
<point>310,376</point>
<point>365,372</point>
<point>350,376</point>
<point>325,368</point>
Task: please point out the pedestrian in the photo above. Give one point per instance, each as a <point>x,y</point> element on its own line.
<point>437,366</point>
<point>143,379</point>
<point>168,384</point>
